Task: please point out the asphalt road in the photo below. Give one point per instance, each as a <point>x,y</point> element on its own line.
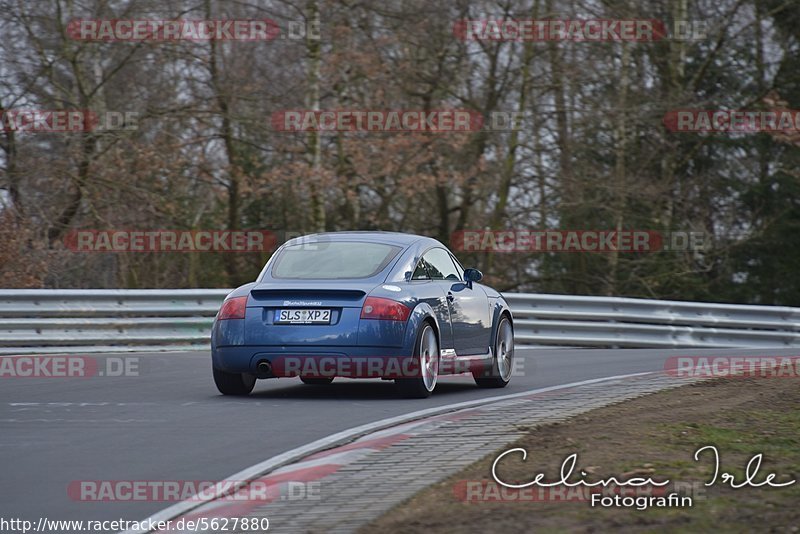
<point>169,422</point>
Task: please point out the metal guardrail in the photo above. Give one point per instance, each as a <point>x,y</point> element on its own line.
<point>45,321</point>
<point>628,322</point>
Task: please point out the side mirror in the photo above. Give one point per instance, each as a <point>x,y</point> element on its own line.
<point>472,275</point>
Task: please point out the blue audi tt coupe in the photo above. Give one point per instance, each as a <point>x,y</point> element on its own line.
<point>363,305</point>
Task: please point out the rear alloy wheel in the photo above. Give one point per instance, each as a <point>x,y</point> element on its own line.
<point>503,361</point>
<point>234,383</point>
<point>426,353</point>
<point>316,381</point>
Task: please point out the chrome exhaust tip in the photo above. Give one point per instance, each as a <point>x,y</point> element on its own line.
<point>264,368</point>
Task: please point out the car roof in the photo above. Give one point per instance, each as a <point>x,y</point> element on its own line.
<point>390,238</point>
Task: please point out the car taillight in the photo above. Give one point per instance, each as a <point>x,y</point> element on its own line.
<point>384,309</point>
<point>232,309</point>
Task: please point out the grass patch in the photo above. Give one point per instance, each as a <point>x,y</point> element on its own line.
<point>653,436</point>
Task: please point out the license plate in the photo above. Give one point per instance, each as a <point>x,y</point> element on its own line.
<point>303,316</point>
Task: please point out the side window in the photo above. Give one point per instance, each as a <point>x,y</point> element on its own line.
<point>421,272</point>
<point>440,265</point>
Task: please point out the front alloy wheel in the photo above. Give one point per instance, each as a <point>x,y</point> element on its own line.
<point>500,373</point>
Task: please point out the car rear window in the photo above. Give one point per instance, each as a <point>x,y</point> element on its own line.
<point>329,260</point>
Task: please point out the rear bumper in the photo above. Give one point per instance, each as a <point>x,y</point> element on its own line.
<point>353,362</point>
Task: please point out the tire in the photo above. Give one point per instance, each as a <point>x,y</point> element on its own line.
<point>426,352</point>
<point>503,362</point>
<point>316,381</point>
<point>238,384</point>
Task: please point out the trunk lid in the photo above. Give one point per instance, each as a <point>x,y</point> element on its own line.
<point>343,299</point>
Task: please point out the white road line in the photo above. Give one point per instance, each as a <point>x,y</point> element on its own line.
<point>346,436</point>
